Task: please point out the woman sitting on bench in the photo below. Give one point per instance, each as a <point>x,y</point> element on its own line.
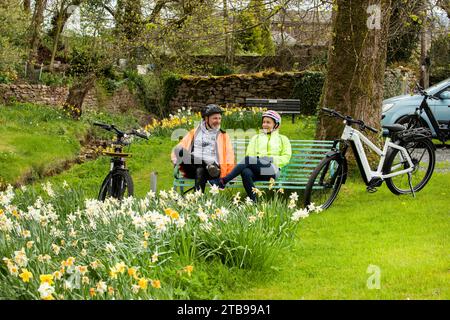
<point>267,152</point>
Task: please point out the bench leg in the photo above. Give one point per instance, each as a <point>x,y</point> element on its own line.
<point>293,118</point>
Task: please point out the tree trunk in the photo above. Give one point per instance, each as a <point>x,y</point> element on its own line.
<point>59,26</point>
<point>27,6</point>
<point>77,93</point>
<point>60,18</point>
<point>356,65</point>
<point>35,30</point>
<point>226,32</point>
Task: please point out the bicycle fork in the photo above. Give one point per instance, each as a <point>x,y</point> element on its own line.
<point>409,177</point>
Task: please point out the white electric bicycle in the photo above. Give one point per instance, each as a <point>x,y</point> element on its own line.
<point>406,161</point>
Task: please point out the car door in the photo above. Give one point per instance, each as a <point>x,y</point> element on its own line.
<point>441,107</point>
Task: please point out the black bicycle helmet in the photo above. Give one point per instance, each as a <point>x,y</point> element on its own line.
<point>211,109</point>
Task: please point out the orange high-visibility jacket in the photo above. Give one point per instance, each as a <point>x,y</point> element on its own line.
<point>223,146</point>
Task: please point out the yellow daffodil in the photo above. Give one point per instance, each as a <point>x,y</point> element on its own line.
<point>156,284</point>
<point>143,283</point>
<point>26,275</point>
<point>69,262</point>
<point>132,272</point>
<point>189,269</point>
<point>172,213</point>
<point>15,213</point>
<point>46,278</point>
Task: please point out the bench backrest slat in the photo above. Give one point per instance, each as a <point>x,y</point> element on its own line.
<point>275,104</point>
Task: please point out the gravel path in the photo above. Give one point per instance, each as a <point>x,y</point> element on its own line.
<point>443,156</point>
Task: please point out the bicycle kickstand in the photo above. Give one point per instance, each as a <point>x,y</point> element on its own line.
<point>410,185</point>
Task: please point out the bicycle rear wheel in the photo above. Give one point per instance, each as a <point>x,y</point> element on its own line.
<point>117,184</point>
<point>325,182</point>
<point>423,158</point>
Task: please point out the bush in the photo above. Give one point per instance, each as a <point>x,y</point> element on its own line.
<point>55,79</point>
<point>309,89</point>
<point>222,70</point>
<point>170,87</point>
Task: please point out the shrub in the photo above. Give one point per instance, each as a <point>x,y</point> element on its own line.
<point>309,89</point>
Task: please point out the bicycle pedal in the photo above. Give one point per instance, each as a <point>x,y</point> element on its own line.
<point>371,189</point>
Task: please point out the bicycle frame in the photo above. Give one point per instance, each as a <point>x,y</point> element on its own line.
<point>357,139</point>
<point>434,123</point>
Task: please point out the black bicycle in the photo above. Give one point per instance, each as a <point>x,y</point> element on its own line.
<point>118,182</point>
<point>416,120</point>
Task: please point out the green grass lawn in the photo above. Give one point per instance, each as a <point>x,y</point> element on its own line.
<point>35,139</point>
<point>406,238</point>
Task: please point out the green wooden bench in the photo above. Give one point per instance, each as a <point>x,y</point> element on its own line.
<point>306,154</point>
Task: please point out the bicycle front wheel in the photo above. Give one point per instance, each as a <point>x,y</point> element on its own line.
<point>325,182</point>
<point>423,158</point>
<point>117,184</point>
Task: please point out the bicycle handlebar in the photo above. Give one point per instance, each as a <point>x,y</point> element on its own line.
<point>350,120</point>
<point>424,93</point>
<point>119,132</point>
<point>138,134</point>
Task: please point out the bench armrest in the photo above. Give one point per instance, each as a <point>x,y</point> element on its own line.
<point>176,171</point>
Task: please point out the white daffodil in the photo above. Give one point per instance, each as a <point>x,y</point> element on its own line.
<point>20,258</point>
<point>101,287</point>
<point>291,204</point>
<point>46,290</point>
<point>302,213</point>
<point>214,190</point>
<point>7,196</point>
<point>294,197</point>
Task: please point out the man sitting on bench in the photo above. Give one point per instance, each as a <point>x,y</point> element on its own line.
<point>267,152</point>
<point>205,152</point>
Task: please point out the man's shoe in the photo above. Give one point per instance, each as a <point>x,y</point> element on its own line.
<point>213,170</point>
